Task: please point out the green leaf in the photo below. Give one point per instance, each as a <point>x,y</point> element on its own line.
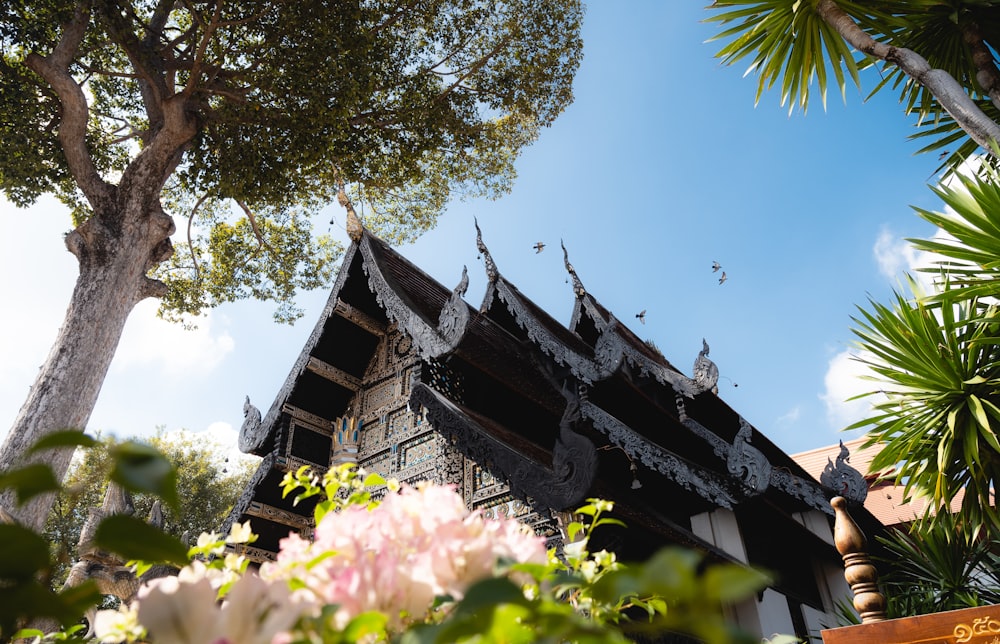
<point>30,599</point>
<point>729,583</point>
<point>365,627</point>
<point>374,479</point>
<point>24,554</point>
<point>26,633</point>
<point>65,438</point>
<point>30,481</point>
<point>135,539</point>
<point>77,599</point>
<point>488,593</point>
<point>142,468</point>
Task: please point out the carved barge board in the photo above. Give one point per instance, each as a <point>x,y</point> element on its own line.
<point>333,374</point>
<point>966,626</point>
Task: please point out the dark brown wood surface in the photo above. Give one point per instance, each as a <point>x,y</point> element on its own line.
<point>970,625</point>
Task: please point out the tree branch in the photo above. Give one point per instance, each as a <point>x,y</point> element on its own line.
<point>54,70</point>
<point>199,54</point>
<point>948,92</point>
<point>987,74</point>
<point>475,67</point>
<point>154,90</point>
<point>393,19</point>
<point>194,256</point>
<point>256,229</point>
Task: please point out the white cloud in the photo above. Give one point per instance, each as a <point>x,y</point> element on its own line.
<point>896,256</point>
<point>791,416</point>
<point>893,254</point>
<point>150,341</point>
<point>219,437</point>
<point>844,380</point>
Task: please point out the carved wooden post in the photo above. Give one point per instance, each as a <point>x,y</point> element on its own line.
<point>858,569</point>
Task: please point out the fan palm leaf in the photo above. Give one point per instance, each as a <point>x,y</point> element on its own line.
<point>789,45</point>
<point>937,411</point>
<point>971,256</point>
<point>939,565</point>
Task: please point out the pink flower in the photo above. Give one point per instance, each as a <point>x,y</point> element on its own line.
<point>418,544</point>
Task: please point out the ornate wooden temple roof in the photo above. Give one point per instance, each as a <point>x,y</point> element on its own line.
<point>525,415</point>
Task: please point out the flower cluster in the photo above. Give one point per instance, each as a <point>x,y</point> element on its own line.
<point>398,558</point>
<point>417,545</point>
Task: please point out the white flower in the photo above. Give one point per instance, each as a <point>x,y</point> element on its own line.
<point>182,612</point>
<point>121,625</point>
<point>240,533</point>
<point>255,611</point>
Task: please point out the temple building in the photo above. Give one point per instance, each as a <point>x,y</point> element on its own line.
<point>529,418</point>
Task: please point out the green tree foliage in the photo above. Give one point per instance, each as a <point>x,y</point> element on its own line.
<point>245,118</point>
<point>207,486</point>
<point>407,104</point>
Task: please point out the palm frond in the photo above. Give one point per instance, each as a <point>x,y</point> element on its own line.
<point>939,411</point>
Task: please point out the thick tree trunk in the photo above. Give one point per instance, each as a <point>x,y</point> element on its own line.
<point>113,261</point>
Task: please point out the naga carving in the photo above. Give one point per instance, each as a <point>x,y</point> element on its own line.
<point>107,570</point>
<point>577,284</point>
<point>706,374</point>
<point>688,475</point>
<point>252,434</point>
<point>747,463</point>
<point>430,341</point>
<point>574,457</point>
<point>454,317</point>
<point>491,268</point>
<point>796,486</point>
<point>843,479</point>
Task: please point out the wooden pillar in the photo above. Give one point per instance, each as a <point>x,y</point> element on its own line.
<point>859,572</point>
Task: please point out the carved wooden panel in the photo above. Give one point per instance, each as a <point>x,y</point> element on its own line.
<point>967,626</point>
<point>399,443</point>
<point>395,441</point>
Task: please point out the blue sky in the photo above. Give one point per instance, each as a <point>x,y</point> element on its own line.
<point>661,166</point>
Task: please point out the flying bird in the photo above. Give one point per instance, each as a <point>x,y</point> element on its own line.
<point>641,315</point>
<point>716,266</point>
<point>539,247</point>
<point>722,280</point>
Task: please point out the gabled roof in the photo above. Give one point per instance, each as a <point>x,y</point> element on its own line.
<point>530,371</point>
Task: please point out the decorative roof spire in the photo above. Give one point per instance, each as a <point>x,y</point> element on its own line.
<point>577,284</point>
<point>355,229</point>
<point>491,268</point>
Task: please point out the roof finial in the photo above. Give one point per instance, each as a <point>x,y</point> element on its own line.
<point>491,268</point>
<point>577,284</point>
<point>706,374</point>
<point>355,229</point>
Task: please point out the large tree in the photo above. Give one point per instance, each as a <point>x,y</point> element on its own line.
<point>245,117</point>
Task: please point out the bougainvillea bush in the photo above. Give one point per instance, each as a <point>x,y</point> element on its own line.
<point>414,567</point>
